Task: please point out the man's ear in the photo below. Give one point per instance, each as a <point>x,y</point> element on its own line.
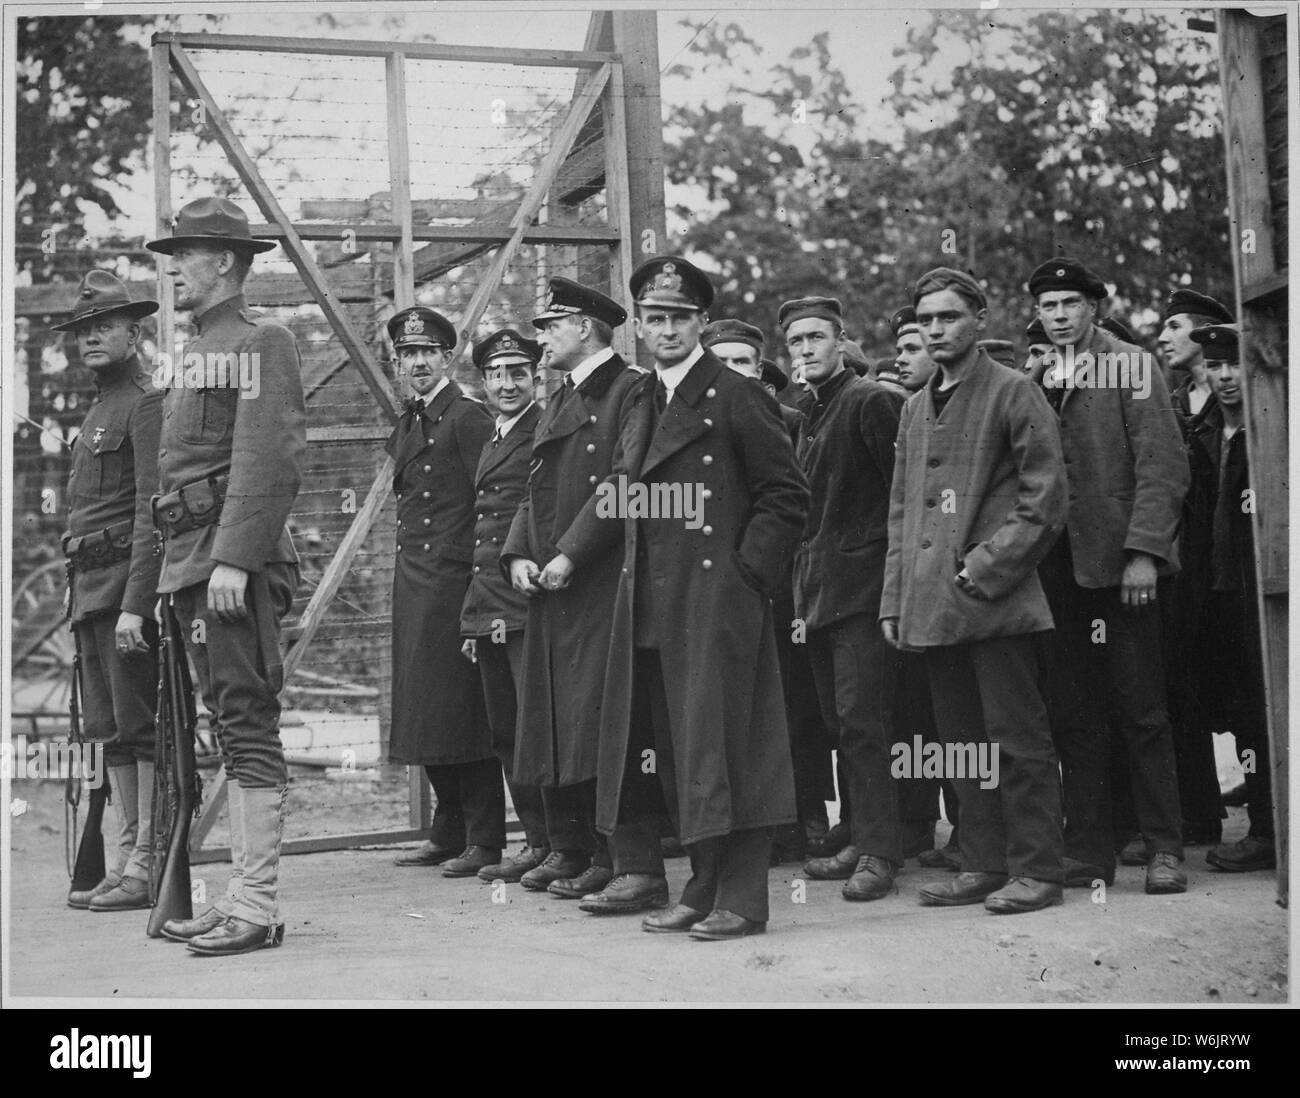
<point>981,320</point>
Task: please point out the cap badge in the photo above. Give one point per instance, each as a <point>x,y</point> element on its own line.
<point>1060,272</point>
<point>507,343</point>
<point>668,279</point>
<point>414,326</point>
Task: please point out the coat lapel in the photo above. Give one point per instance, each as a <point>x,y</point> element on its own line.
<point>577,410</point>
<point>682,422</point>
<point>408,439</point>
<point>493,457</point>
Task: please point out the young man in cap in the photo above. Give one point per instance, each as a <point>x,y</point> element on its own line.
<point>1185,311</point>
<point>1230,621</point>
<point>566,640</point>
<point>846,451</point>
<point>1036,363</point>
<point>113,574</point>
<point>1128,475</point>
<point>915,366</point>
<point>739,346</point>
<point>439,720</point>
<point>692,721</point>
<point>979,495</point>
<point>229,468</point>
<point>493,616</point>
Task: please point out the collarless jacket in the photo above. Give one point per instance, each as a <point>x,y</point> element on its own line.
<point>846,451</point>
<point>255,436</point>
<point>114,475</point>
<point>566,638</point>
<point>1127,468</point>
<point>980,486</point>
<point>438,714</point>
<point>491,603</point>
<point>711,592</point>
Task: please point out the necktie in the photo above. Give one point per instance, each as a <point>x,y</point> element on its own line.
<point>496,437</point>
<point>661,397</point>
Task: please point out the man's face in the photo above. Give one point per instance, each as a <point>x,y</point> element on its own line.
<point>1035,359</point>
<point>561,342</point>
<point>1067,315</point>
<point>670,335</point>
<point>196,275</point>
<point>1225,380</point>
<point>421,367</point>
<point>915,367</point>
<point>509,387</point>
<point>817,347</point>
<point>741,357</point>
<point>1176,345</point>
<point>105,341</point>
<point>950,325</point>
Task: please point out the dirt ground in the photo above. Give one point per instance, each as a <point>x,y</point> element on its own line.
<point>359,928</point>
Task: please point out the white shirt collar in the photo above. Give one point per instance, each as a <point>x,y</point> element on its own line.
<point>503,426</point>
<point>672,376</point>
<point>590,365</point>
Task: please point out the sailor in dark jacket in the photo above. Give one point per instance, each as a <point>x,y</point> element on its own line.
<point>493,617</point>
<point>439,720</point>
<point>113,573</point>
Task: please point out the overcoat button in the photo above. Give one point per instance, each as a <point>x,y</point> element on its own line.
<point>399,548</point>
<point>426,546</point>
<point>708,493</point>
<point>477,569</point>
<point>591,447</point>
<point>591,419</point>
<point>925,545</point>
<point>428,468</point>
<point>707,531</point>
<point>425,494</point>
<point>428,522</point>
<point>710,392</point>
<point>592,479</point>
<point>706,564</point>
<point>708,459</point>
<point>478,541</point>
<point>934,463</point>
<point>708,423</point>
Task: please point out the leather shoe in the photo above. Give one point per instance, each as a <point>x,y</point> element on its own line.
<point>511,869</point>
<point>471,860</point>
<point>1134,852</point>
<point>1081,874</point>
<point>557,865</point>
<point>1243,856</point>
<point>592,879</point>
<point>837,867</point>
<point>626,893</point>
<point>965,888</point>
<point>1022,894</point>
<point>233,936</point>
<point>679,918</point>
<point>1165,874</point>
<point>81,898</point>
<point>835,840</point>
<point>129,895</point>
<point>182,930</point>
<point>941,857</point>
<point>872,879</point>
<point>425,854</point>
<point>721,925</point>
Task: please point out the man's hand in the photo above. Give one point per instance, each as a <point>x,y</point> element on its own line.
<point>523,576</point>
<point>470,649</point>
<point>226,592</point>
<point>963,580</point>
<point>556,575</point>
<point>130,634</point>
<point>889,627</point>
<point>1137,587</point>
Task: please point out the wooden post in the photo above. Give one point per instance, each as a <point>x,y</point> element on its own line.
<point>162,186</point>
<point>400,182</point>
<point>636,40</point>
<point>1261,308</point>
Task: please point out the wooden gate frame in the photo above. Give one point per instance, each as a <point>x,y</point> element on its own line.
<point>619,75</point>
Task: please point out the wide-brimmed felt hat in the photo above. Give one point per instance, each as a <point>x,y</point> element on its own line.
<point>211,221</point>
<point>101,294</point>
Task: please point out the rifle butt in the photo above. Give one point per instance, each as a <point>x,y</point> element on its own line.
<point>173,900</point>
<point>89,868</point>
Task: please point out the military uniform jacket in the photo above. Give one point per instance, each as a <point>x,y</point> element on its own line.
<point>566,639</point>
<point>1128,472</point>
<point>981,486</point>
<point>491,603</point>
<point>256,436</point>
<point>846,451</point>
<point>438,715</point>
<point>709,591</point>
<point>114,475</point>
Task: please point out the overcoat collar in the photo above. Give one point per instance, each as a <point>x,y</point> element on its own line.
<point>521,434</point>
<point>682,421</point>
<point>576,410</point>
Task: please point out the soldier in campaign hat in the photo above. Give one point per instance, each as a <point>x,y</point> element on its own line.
<point>566,638</point>
<point>113,573</point>
<point>229,469</point>
<point>439,721</point>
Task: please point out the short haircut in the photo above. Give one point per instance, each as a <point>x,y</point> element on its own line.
<point>603,332</point>
<point>946,278</point>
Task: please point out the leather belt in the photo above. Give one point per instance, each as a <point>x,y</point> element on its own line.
<point>86,552</point>
<point>190,507</point>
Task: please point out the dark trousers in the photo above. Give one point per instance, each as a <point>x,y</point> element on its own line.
<point>1237,673</point>
<point>570,813</point>
<point>918,798</point>
<point>988,692</point>
<point>471,804</point>
<point>1097,681</point>
<point>811,742</point>
<point>498,667</point>
<point>240,672</point>
<point>857,679</point>
<point>119,693</point>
